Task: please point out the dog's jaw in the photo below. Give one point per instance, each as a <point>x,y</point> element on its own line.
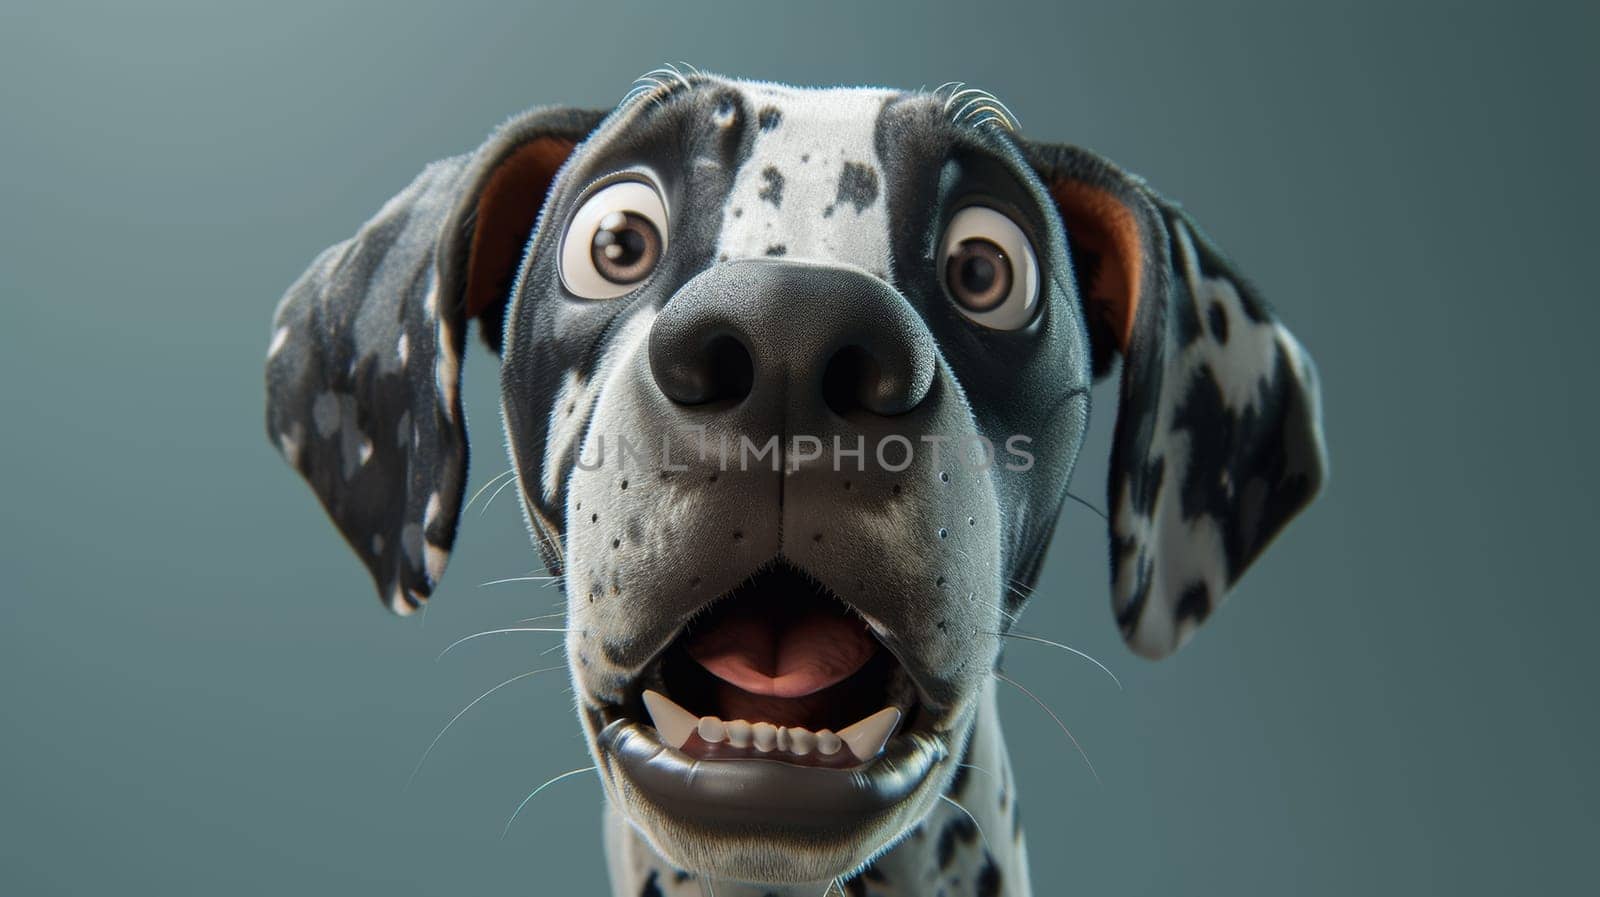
<point>970,841</point>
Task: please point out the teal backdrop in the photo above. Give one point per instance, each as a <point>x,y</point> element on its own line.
<point>199,693</point>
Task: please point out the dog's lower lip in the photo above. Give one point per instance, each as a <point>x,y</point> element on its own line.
<point>768,795</point>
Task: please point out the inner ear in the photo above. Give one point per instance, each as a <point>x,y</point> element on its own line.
<point>1107,255</point>
<point>507,209</point>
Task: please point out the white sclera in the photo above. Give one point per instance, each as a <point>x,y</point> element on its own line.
<point>636,195</point>
<point>983,223</point>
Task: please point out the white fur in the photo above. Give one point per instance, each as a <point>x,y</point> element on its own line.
<point>818,133</point>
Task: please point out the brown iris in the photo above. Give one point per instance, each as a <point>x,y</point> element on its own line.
<point>978,274</point>
<point>626,247</point>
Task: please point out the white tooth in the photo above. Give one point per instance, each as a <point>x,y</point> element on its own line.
<point>711,729</point>
<point>828,743</point>
<point>738,732</point>
<point>868,737</point>
<point>673,722</point>
<point>785,741</point>
<point>801,741</point>
<point>765,735</point>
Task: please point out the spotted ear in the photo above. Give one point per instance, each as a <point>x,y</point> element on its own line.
<point>1219,434</point>
<point>364,368</point>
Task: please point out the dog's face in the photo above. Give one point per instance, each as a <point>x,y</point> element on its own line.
<point>793,383</point>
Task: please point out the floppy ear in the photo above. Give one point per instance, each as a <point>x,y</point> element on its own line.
<point>364,369</point>
<point>1219,434</point>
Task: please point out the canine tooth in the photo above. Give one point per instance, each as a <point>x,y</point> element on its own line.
<point>801,741</point>
<point>673,722</point>
<point>828,743</point>
<point>738,732</point>
<point>868,737</point>
<point>765,736</point>
<point>711,729</point>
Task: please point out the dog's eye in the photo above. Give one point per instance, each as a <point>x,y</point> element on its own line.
<point>989,268</point>
<point>615,239</point>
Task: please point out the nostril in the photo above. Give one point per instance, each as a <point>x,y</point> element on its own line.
<point>732,372</point>
<point>696,368</point>
<point>850,381</point>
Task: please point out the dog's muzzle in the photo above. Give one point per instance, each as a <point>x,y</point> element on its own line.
<point>791,642</point>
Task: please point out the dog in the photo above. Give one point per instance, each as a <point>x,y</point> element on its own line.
<point>840,343</point>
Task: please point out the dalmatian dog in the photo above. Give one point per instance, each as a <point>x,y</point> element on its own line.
<point>793,381</point>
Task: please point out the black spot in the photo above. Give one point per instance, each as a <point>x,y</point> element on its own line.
<point>651,889</point>
<point>805,157</point>
<point>773,191</point>
<point>617,654</point>
<point>858,186</point>
<point>1147,485</point>
<point>959,830</point>
<point>738,213</point>
<point>1217,317</point>
<point>777,249</point>
<point>988,883</point>
<point>1269,441</point>
<point>1194,603</point>
<point>769,117</point>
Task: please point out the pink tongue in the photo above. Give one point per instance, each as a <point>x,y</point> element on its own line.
<point>784,656</point>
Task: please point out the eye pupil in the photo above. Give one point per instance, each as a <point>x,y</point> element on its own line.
<point>626,247</point>
<point>979,274</point>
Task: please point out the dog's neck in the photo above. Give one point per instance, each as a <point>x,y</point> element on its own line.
<point>950,852</point>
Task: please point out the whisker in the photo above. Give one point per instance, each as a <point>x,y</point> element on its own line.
<point>559,613</point>
<point>485,487</point>
<point>1003,612</point>
<point>1068,648</point>
<point>501,582</point>
<point>476,635</point>
<point>1085,502</point>
<point>1046,707</point>
<point>485,509</point>
<point>982,770</point>
<point>535,793</point>
<point>947,799</point>
<point>463,712</point>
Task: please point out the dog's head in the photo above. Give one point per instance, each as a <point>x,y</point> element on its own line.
<point>793,382</point>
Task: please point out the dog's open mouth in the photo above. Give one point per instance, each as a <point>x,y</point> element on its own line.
<point>778,701</point>
<point>779,670</point>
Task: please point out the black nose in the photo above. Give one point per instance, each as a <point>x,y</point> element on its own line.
<point>785,332</point>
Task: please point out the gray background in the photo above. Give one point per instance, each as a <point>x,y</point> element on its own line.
<point>201,695</point>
